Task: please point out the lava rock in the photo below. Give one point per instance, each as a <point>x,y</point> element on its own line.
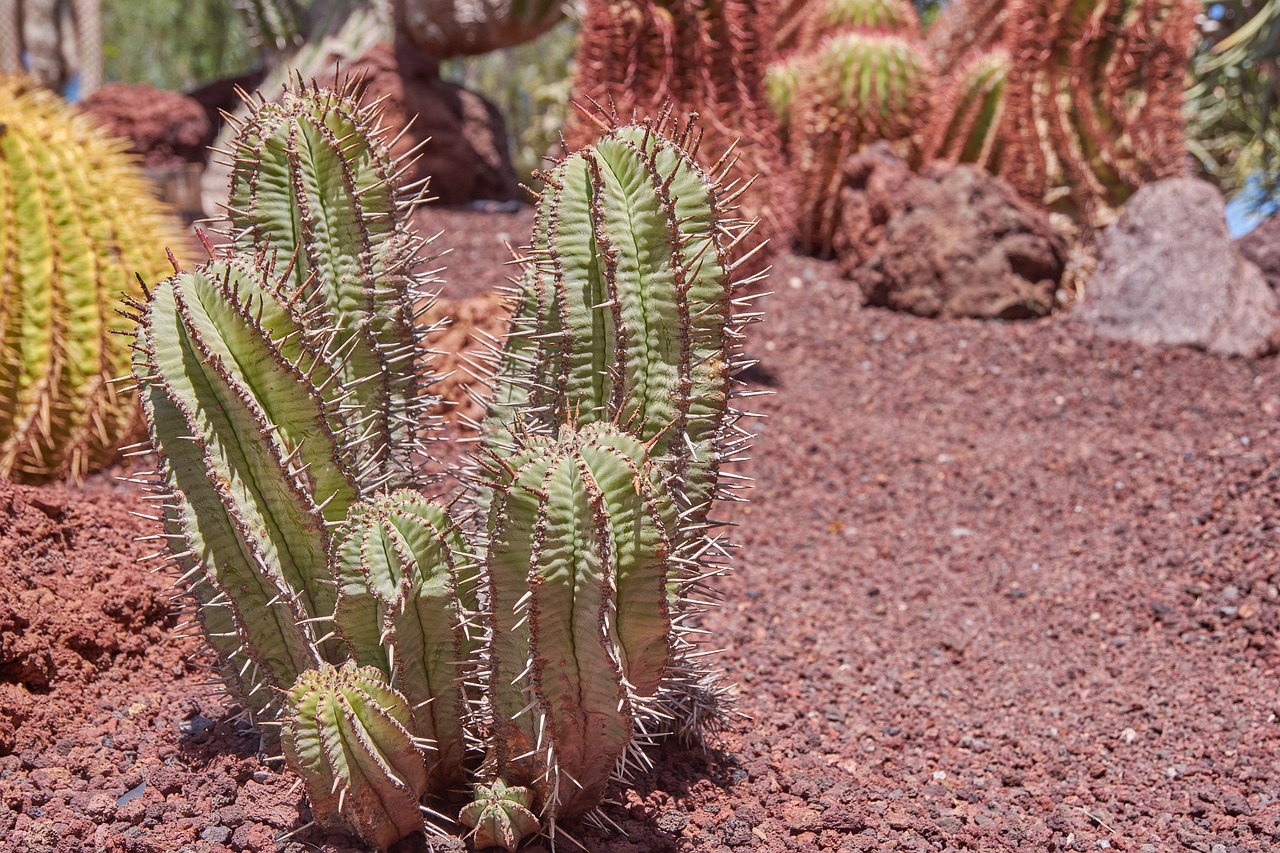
<point>467,157</point>
<point>1168,274</point>
<point>1261,247</point>
<point>164,128</point>
<point>954,241</point>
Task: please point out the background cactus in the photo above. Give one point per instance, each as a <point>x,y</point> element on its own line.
<point>966,27</point>
<point>641,57</point>
<point>966,122</point>
<point>552,634</point>
<point>1094,103</point>
<point>53,41</point>
<point>77,221</point>
<point>855,88</point>
<point>800,25</point>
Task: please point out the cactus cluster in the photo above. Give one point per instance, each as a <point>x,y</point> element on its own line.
<point>1075,104</point>
<point>77,221</point>
<point>857,75</point>
<point>529,638</point>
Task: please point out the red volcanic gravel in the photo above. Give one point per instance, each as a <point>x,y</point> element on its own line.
<point>1001,587</point>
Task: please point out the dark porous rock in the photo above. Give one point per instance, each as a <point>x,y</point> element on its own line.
<point>954,241</point>
<point>1261,247</point>
<point>1169,274</point>
<point>467,157</point>
<point>164,128</point>
<point>872,193</point>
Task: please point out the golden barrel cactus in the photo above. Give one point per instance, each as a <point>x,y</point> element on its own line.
<point>77,222</point>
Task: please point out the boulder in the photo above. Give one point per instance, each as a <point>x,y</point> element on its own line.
<point>871,194</point>
<point>467,157</point>
<point>164,128</point>
<point>1169,274</point>
<point>1261,247</point>
<point>954,241</point>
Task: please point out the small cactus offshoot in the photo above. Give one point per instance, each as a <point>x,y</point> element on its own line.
<point>500,816</point>
<point>348,736</point>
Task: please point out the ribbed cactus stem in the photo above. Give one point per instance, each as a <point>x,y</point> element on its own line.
<point>803,26</point>
<point>347,734</point>
<point>500,816</point>
<point>577,578</point>
<point>249,456</point>
<point>1095,100</point>
<point>77,222</point>
<point>312,182</point>
<point>854,89</point>
<point>967,114</point>
<point>406,598</point>
<point>626,315</point>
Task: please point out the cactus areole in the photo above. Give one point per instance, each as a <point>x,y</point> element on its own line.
<point>527,640</point>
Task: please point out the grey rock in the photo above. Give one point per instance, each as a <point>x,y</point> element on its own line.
<point>1168,274</point>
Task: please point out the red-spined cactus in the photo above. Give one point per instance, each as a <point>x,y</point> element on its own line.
<point>854,89</point>
<point>966,118</point>
<point>803,24</point>
<point>1094,105</point>
<point>702,56</point>
<point>966,27</point>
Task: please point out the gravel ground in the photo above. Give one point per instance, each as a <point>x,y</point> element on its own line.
<point>1001,587</point>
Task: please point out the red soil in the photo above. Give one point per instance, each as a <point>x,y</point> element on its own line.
<point>1002,587</point>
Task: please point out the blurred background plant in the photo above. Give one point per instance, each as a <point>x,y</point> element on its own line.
<point>174,45</point>
<point>530,85</point>
<point>1234,126</point>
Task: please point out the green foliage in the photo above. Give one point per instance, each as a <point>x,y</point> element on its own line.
<point>77,221</point>
<point>397,646</point>
<point>1232,105</point>
<point>174,45</point>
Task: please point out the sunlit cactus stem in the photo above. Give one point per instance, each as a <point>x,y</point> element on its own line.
<point>251,464</point>
<point>312,181</point>
<point>406,601</point>
<point>626,315</point>
<point>579,578</point>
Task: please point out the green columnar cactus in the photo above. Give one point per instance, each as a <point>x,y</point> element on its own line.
<point>578,574</point>
<point>625,315</point>
<point>251,461</point>
<point>553,635</point>
<point>311,180</point>
<point>275,24</point>
<point>77,221</point>
<point>966,120</point>
<point>1095,100</point>
<point>406,595</point>
<point>348,735</point>
<point>854,89</point>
